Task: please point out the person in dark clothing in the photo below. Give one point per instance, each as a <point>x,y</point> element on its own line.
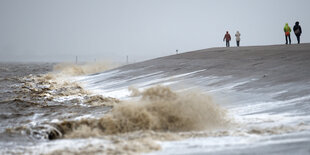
<point>227,38</point>
<point>297,31</point>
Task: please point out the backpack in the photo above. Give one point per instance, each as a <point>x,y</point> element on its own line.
<point>297,31</point>
<point>287,31</point>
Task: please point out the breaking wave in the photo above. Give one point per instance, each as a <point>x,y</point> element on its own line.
<point>159,109</point>
<point>84,69</point>
<point>59,83</point>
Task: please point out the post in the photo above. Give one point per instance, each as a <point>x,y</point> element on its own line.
<point>76,59</point>
<point>127,59</point>
<point>177,51</point>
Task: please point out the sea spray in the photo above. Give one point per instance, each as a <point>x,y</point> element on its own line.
<point>70,69</point>
<point>159,109</point>
<point>59,83</point>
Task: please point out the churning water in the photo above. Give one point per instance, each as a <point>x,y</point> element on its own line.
<point>61,109</point>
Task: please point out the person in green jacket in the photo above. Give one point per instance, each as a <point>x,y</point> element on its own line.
<point>287,31</point>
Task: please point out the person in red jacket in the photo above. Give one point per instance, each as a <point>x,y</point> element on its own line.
<point>227,38</point>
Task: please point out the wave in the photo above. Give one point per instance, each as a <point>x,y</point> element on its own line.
<point>159,109</point>
<point>83,69</point>
<point>50,87</point>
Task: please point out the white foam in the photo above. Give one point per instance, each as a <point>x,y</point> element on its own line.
<point>119,88</point>
<point>255,107</point>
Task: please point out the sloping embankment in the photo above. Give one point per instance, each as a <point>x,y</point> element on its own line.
<point>286,66</point>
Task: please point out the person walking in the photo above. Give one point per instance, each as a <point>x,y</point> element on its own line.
<point>287,31</point>
<point>297,31</point>
<point>238,38</point>
<point>227,38</point>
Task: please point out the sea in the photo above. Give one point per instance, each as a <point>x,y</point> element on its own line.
<point>59,108</point>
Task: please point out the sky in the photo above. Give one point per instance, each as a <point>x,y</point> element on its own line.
<point>111,30</point>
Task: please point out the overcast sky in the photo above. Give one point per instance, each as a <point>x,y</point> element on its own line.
<point>59,30</point>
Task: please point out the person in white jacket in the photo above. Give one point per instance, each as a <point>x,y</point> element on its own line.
<point>238,38</point>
